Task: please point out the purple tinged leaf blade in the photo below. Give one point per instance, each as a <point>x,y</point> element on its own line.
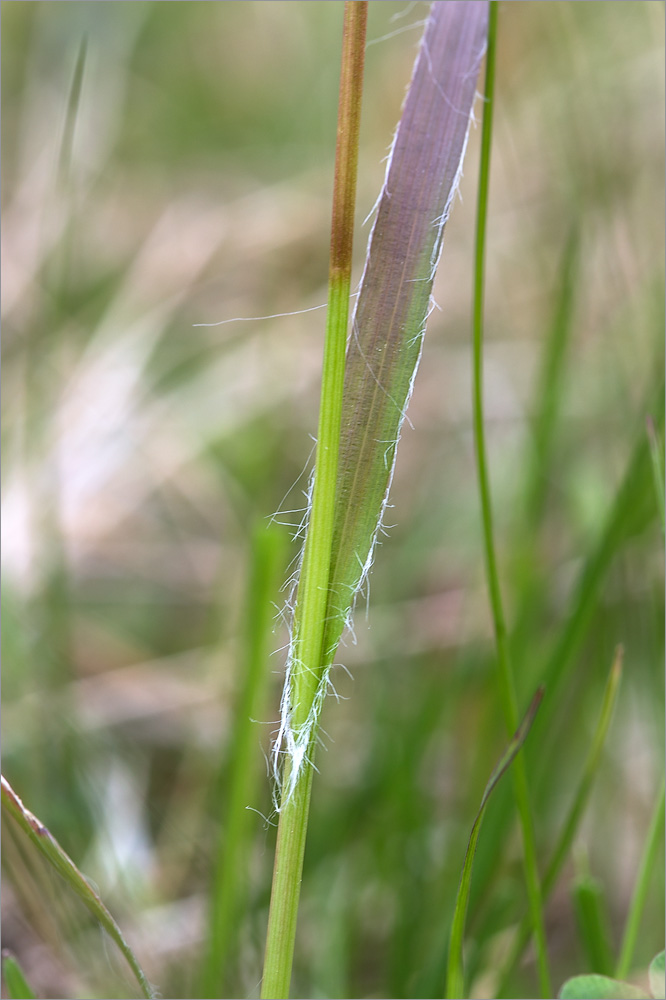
<point>389,322</point>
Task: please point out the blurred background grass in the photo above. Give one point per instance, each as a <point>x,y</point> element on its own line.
<point>189,182</point>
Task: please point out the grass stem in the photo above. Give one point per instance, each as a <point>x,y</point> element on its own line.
<point>574,816</point>
<point>310,613</point>
<point>643,879</point>
<point>455,971</point>
<point>506,680</point>
<point>230,875</point>
<point>656,454</point>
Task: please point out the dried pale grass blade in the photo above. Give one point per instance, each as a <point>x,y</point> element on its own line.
<point>49,847</point>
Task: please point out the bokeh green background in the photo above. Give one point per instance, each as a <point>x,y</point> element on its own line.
<point>192,186</point>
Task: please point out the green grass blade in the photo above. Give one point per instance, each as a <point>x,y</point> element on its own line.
<point>657,456</point>
<point>455,974</point>
<point>15,981</point>
<point>653,843</point>
<point>574,816</point>
<point>551,380</point>
<point>631,508</point>
<point>590,767</point>
<point>63,864</point>
<point>593,924</point>
<point>530,583</point>
<point>655,830</point>
<point>624,515</point>
<point>506,679</point>
<point>73,103</point>
<point>230,873</point>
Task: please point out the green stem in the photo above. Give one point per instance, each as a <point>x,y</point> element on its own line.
<point>285,891</point>
<point>310,613</point>
<point>507,686</point>
<point>652,845</point>
<point>592,923</point>
<point>656,454</point>
<point>231,874</point>
<point>574,815</point>
<point>455,971</point>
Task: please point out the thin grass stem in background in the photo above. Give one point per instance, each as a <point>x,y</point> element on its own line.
<point>230,878</point>
<point>653,843</point>
<point>574,816</point>
<point>310,614</point>
<point>15,981</point>
<point>507,685</point>
<point>657,456</point>
<point>592,920</point>
<point>529,582</point>
<point>49,847</point>
<point>623,516</point>
<point>631,507</point>
<point>551,382</point>
<point>455,978</point>
<point>50,605</point>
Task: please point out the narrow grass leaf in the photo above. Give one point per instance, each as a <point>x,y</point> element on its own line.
<point>574,815</point>
<point>507,684</point>
<point>230,876</point>
<point>455,975</point>
<point>530,583</point>
<point>15,981</point>
<point>73,103</point>
<point>548,398</point>
<point>657,456</point>
<point>653,843</point>
<point>630,510</point>
<point>593,925</point>
<point>63,864</point>
<point>625,515</point>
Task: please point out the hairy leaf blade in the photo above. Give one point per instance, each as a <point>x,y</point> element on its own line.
<point>394,300</point>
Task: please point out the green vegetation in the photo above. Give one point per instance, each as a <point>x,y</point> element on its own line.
<point>596,987</point>
<point>17,987</point>
<point>168,165</point>
<point>40,837</point>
